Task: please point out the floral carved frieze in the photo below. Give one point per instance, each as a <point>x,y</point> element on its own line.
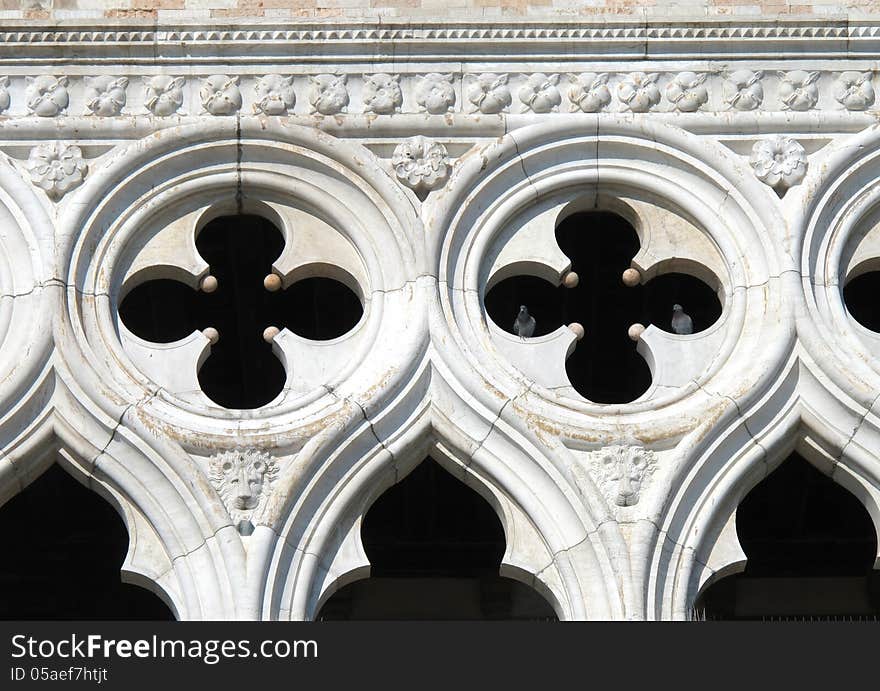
<point>243,478</point>
<point>435,93</point>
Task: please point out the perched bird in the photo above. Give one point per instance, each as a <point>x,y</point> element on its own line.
<point>681,322</point>
<point>524,325</point>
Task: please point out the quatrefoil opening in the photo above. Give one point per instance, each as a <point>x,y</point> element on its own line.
<point>249,314</point>
<point>605,365</point>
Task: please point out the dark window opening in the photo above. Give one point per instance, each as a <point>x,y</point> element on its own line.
<point>64,546</point>
<point>242,371</point>
<point>605,366</point>
<point>860,297</point>
<point>435,547</point>
<point>810,546</point>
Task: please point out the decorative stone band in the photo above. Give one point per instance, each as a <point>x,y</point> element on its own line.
<point>686,91</point>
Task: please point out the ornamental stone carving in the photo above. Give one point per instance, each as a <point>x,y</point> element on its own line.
<point>639,91</point>
<point>489,94</point>
<point>798,90</point>
<point>5,99</point>
<point>220,94</point>
<point>621,472</point>
<point>435,93</point>
<point>687,91</point>
<point>163,95</point>
<point>328,94</point>
<point>243,478</point>
<point>779,162</point>
<point>382,94</point>
<point>275,95</point>
<point>105,95</point>
<point>421,164</point>
<point>539,94</point>
<point>589,92</point>
<point>56,168</point>
<point>853,90</point>
<point>46,96</point>
<point>742,90</point>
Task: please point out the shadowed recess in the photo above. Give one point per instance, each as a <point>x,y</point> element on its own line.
<point>605,366</point>
<point>435,547</point>
<point>64,546</point>
<point>860,297</point>
<point>242,371</point>
<point>810,545</point>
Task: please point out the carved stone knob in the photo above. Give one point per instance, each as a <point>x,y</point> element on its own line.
<point>570,280</point>
<point>578,330</point>
<point>635,331</point>
<point>631,277</point>
<point>270,333</point>
<point>272,282</point>
<point>212,334</point>
<point>209,284</point>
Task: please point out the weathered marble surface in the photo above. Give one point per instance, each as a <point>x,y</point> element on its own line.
<point>744,153</point>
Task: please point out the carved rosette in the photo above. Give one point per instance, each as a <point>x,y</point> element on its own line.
<point>105,95</point>
<point>56,168</point>
<point>589,92</point>
<point>5,99</point>
<point>328,94</point>
<point>742,90</point>
<point>779,162</point>
<point>435,93</point>
<point>621,472</point>
<point>687,92</point>
<point>163,95</point>
<point>275,95</point>
<point>47,96</point>
<point>853,90</point>
<point>639,91</point>
<point>489,94</point>
<point>798,90</point>
<point>220,94</point>
<point>421,164</point>
<point>243,478</point>
<point>382,94</point>
<point>540,94</point>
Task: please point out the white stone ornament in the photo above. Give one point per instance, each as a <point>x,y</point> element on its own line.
<point>56,168</point>
<point>328,94</point>
<point>435,93</point>
<point>105,95</point>
<point>687,91</point>
<point>46,96</point>
<point>5,99</point>
<point>779,162</point>
<point>489,94</point>
<point>275,95</point>
<point>163,95</point>
<point>540,94</point>
<point>621,471</point>
<point>798,90</point>
<point>382,94</point>
<point>639,91</point>
<point>243,478</point>
<point>742,90</point>
<point>589,92</point>
<point>421,164</point>
<point>220,94</point>
<point>853,90</point>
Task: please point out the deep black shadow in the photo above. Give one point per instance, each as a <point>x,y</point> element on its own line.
<point>860,297</point>
<point>242,371</point>
<point>605,366</point>
<point>63,548</point>
<point>810,545</point>
<point>435,547</point>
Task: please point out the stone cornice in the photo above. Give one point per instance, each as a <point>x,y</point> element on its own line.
<point>702,40</point>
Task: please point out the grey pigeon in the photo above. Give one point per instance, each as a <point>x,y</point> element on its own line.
<point>682,324</point>
<point>524,325</point>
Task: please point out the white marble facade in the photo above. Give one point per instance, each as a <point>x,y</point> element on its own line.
<point>742,150</point>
